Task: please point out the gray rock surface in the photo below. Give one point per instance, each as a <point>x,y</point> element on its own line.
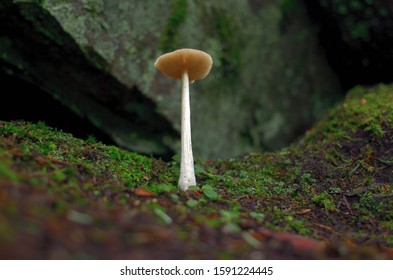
<point>269,79</point>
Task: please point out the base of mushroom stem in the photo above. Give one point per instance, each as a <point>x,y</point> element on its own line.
<point>186,183</point>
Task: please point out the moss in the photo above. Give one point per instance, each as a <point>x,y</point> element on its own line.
<point>359,18</point>
<point>362,108</point>
<point>169,38</point>
<point>316,175</point>
<point>226,29</point>
<point>7,173</point>
<point>324,200</point>
<point>335,184</point>
<point>97,158</point>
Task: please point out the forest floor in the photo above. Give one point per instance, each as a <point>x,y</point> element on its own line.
<point>328,196</point>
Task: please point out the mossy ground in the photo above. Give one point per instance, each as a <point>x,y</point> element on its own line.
<point>328,196</point>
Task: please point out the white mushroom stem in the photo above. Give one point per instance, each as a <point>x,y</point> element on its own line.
<point>187,173</point>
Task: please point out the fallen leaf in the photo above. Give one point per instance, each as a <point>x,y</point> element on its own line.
<point>144,193</point>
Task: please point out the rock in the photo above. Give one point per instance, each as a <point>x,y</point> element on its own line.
<point>269,80</point>
<point>358,37</point>
<point>35,48</point>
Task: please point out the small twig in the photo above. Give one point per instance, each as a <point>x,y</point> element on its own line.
<point>324,227</point>
<point>347,204</point>
<point>304,211</point>
<point>382,196</point>
<point>246,196</point>
<point>363,189</point>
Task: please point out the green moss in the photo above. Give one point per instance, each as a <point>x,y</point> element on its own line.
<point>324,200</point>
<point>7,173</point>
<point>169,38</point>
<point>335,183</point>
<point>130,168</point>
<point>227,31</point>
<point>362,109</point>
<point>359,18</point>
<point>311,175</point>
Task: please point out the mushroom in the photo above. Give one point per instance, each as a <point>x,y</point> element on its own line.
<point>186,65</point>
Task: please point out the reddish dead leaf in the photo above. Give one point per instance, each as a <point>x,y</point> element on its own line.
<point>198,193</point>
<point>15,152</point>
<point>300,243</point>
<point>246,196</point>
<point>40,160</point>
<point>144,193</point>
<point>55,228</point>
<point>152,233</point>
<point>3,197</point>
<point>235,244</point>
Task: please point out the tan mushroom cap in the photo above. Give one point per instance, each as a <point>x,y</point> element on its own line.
<point>196,63</point>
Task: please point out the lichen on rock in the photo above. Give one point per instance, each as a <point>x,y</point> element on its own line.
<point>266,62</point>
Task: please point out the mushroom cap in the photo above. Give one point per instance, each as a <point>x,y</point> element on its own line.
<point>196,63</point>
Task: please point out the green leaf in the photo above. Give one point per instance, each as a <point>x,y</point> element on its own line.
<point>199,169</point>
<point>192,203</point>
<point>210,193</point>
<point>231,228</point>
<point>165,188</point>
<point>251,240</point>
<point>257,216</point>
<point>194,188</point>
<point>59,175</point>
<point>164,216</point>
<point>176,158</point>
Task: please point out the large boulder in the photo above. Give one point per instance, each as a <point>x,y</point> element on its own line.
<point>269,80</point>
